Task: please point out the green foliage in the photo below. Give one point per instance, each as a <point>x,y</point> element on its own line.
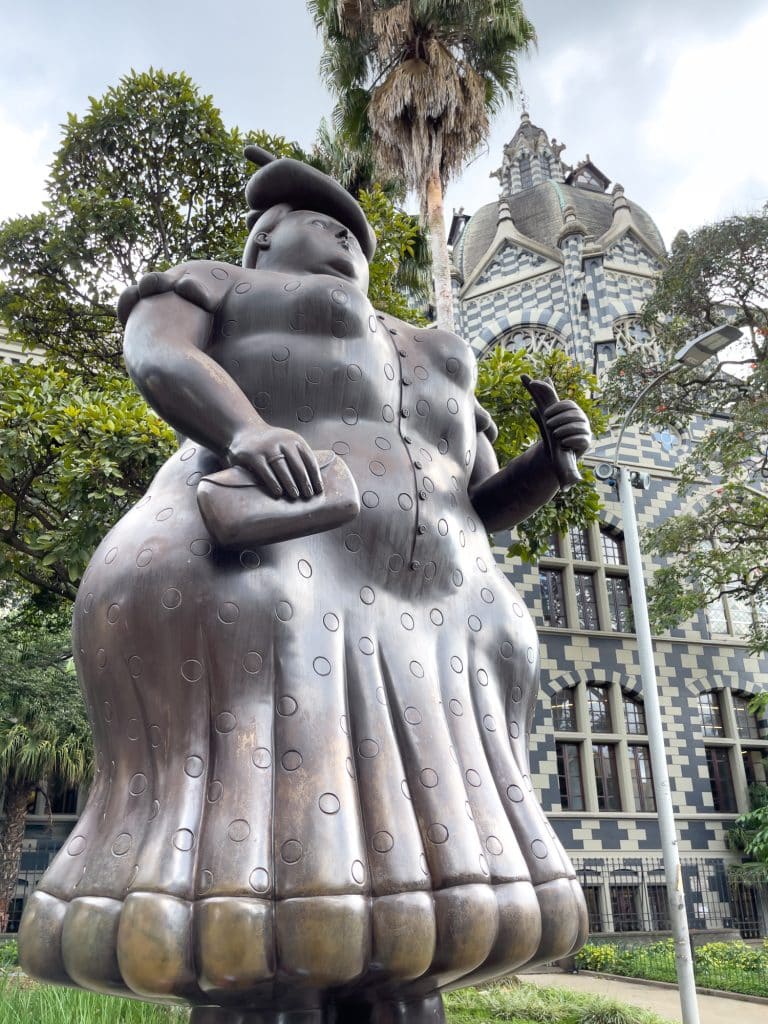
<point>749,835</point>
<point>75,452</point>
<point>9,953</point>
<point>398,234</point>
<point>719,545</point>
<point>728,966</point>
<point>43,727</point>
<point>147,178</point>
<point>501,392</point>
<point>523,1003</point>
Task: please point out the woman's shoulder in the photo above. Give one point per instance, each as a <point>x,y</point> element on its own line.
<point>204,283</point>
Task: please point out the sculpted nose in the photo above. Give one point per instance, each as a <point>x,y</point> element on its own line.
<point>343,233</point>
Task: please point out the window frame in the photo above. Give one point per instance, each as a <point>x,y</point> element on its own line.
<point>608,785</point>
<point>730,748</point>
<point>590,604</point>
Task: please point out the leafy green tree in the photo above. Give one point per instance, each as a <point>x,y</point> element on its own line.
<point>44,733</point>
<point>147,178</point>
<point>400,243</point>
<point>416,82</point>
<point>76,451</point>
<point>718,545</point>
<point>501,392</point>
<point>749,835</point>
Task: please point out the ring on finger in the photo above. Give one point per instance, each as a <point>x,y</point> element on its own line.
<point>275,458</point>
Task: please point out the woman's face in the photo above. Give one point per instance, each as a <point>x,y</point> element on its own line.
<point>304,242</point>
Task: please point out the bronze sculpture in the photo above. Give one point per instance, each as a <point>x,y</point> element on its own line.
<point>310,714</point>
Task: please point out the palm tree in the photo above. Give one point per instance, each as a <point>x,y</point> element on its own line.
<point>418,81</point>
<point>43,731</point>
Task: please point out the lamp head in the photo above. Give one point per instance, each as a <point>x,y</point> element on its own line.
<point>698,350</point>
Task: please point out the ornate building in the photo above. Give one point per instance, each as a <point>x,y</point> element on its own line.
<point>560,262</point>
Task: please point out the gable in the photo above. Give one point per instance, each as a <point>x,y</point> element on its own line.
<point>509,261</point>
<point>629,252</point>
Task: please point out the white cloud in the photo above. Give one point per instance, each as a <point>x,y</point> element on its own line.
<point>706,127</point>
<point>23,169</point>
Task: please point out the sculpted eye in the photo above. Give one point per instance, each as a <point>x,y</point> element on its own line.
<point>320,224</point>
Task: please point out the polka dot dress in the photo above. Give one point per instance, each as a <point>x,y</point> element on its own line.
<point>339,716</point>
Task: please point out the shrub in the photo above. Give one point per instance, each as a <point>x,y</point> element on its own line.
<point>9,953</point>
<point>728,966</point>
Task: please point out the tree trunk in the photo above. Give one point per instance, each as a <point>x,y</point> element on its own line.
<point>441,267</point>
<point>11,838</point>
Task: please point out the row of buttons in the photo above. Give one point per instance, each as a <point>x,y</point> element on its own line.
<point>405,412</point>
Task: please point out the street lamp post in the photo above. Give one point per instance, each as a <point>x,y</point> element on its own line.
<point>693,354</point>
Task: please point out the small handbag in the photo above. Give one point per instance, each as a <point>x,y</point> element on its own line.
<point>238,513</point>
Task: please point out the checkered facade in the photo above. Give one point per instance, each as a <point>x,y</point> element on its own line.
<point>583,296</point>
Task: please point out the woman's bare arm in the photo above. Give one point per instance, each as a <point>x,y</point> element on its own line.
<point>505,497</point>
<point>165,341</point>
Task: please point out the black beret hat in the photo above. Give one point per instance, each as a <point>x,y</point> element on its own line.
<point>304,188</point>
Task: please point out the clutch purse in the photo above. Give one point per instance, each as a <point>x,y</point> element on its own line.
<point>238,513</point>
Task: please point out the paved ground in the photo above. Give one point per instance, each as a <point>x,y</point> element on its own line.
<point>664,1001</point>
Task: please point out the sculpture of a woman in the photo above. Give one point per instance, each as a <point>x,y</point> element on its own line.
<point>312,792</point>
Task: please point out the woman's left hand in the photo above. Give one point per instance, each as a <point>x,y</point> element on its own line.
<point>567,427</point>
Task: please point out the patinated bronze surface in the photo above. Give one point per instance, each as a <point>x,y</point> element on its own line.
<point>312,794</point>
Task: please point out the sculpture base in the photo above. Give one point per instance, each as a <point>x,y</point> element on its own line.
<point>428,1010</point>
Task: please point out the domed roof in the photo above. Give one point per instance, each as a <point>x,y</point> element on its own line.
<point>537,212</point>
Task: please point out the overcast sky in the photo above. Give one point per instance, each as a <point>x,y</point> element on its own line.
<point>668,97</point>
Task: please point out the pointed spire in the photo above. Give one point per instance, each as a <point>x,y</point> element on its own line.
<point>622,212</point>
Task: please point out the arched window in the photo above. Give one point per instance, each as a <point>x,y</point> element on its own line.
<point>526,176</point>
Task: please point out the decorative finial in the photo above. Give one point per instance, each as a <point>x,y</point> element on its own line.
<point>619,200</point>
<point>571,224</point>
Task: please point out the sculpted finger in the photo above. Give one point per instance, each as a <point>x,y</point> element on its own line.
<point>563,405</point>
<point>572,415</point>
<point>578,443</point>
<point>571,430</point>
<point>126,303</point>
<point>189,288</point>
<point>263,472</point>
<point>312,468</point>
<point>298,470</point>
<point>281,469</point>
<point>154,284</point>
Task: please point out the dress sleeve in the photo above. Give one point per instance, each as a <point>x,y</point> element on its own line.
<point>203,283</point>
<point>484,423</point>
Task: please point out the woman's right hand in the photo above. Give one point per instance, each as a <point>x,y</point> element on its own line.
<point>280,460</point>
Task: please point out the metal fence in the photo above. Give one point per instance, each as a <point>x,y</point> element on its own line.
<point>623,895</point>
<point>630,895</point>
<point>25,884</point>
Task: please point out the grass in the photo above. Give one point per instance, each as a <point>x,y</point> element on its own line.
<point>530,1004</point>
<point>25,1002</point>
